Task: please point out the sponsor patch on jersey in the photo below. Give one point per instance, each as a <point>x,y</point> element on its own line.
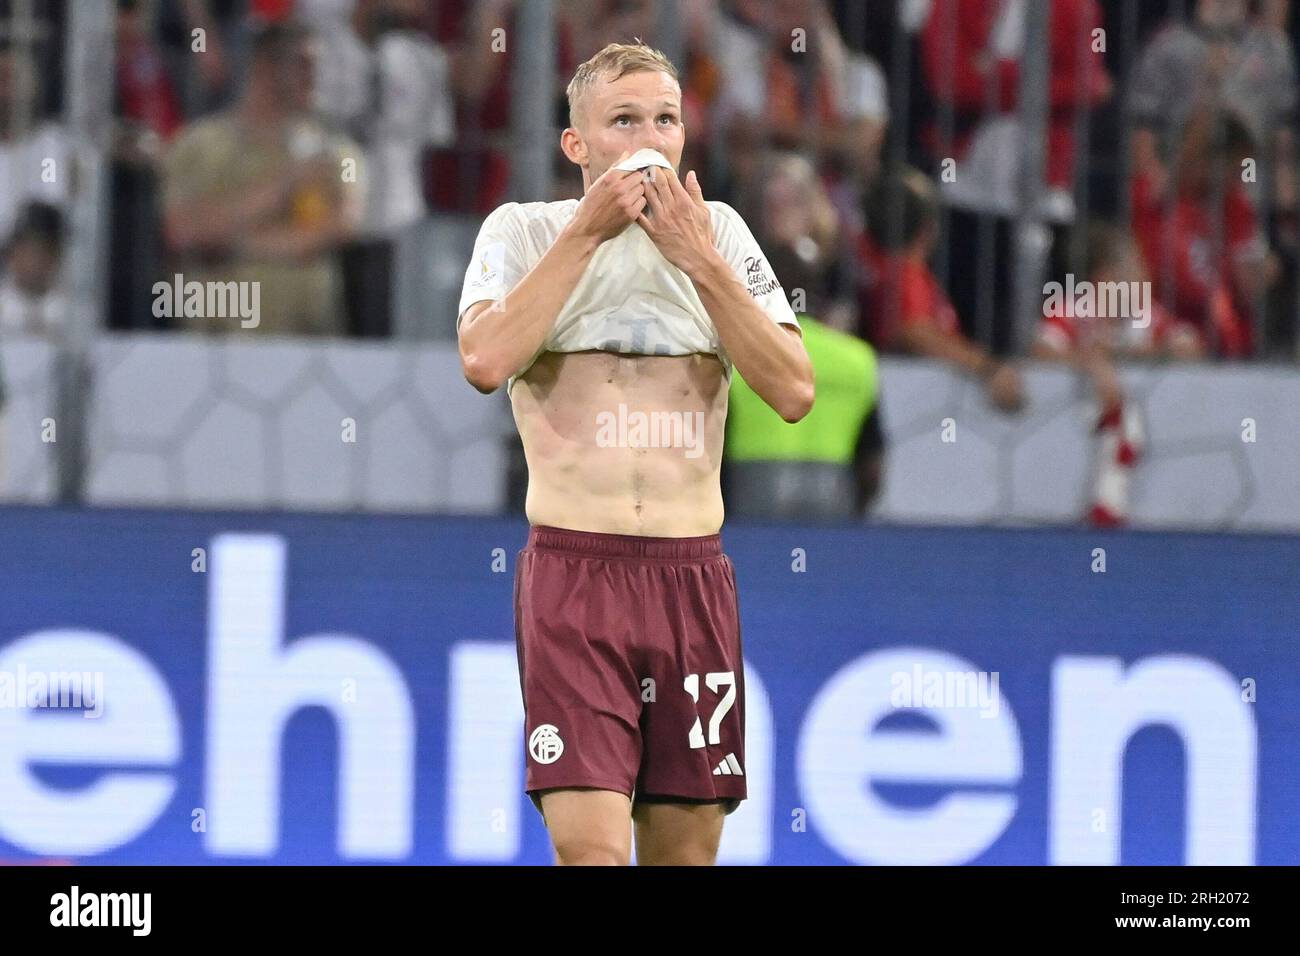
<point>489,265</point>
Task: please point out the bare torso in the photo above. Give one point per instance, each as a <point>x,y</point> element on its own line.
<point>590,422</point>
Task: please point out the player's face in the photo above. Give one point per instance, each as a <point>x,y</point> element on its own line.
<point>637,111</point>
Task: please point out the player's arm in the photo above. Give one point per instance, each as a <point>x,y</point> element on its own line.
<point>499,337</point>
<point>771,357</point>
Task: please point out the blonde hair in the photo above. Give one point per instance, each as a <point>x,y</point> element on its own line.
<point>614,61</point>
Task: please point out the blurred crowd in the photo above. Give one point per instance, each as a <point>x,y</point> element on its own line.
<point>876,148</point>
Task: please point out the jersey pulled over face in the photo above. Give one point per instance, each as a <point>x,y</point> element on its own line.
<point>630,300</point>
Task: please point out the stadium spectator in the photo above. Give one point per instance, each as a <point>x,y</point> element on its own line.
<point>148,105</point>
<point>903,306</point>
<point>889,32</point>
<point>1229,58</point>
<point>971,54</point>
<point>471,175</point>
<point>197,40</point>
<point>388,85</point>
<point>788,81</point>
<point>1113,257</point>
<point>1223,60</point>
<point>265,12</point>
<point>30,300</point>
<point>34,154</point>
<point>1091,334</point>
<point>264,193</point>
<point>318,13</point>
<point>793,210</point>
<point>147,115</point>
<point>828,465</point>
<point>1203,247</point>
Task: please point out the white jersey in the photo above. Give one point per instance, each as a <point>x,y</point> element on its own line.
<point>630,299</point>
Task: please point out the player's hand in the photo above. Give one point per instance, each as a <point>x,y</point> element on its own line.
<point>1005,390</point>
<point>612,203</point>
<point>678,220</point>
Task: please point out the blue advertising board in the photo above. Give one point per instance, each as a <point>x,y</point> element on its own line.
<point>220,687</point>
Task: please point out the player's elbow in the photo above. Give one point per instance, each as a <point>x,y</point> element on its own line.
<point>798,404</point>
<point>480,373</point>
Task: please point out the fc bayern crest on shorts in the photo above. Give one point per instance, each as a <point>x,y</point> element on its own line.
<point>545,745</point>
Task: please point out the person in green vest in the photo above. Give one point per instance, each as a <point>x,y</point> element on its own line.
<point>836,448</point>
<point>826,466</point>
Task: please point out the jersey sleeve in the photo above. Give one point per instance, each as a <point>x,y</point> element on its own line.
<point>499,259</point>
<point>739,247</point>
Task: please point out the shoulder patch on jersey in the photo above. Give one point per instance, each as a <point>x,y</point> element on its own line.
<point>489,265</point>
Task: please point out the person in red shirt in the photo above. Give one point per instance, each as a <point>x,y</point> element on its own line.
<point>472,175</point>
<point>962,54</point>
<point>1207,265</point>
<point>903,306</point>
<point>1113,256</point>
<point>270,11</point>
<point>147,115</point>
<point>148,105</point>
<point>971,57</point>
<point>1089,335</point>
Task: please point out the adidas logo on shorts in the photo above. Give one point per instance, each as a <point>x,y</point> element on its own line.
<point>730,766</point>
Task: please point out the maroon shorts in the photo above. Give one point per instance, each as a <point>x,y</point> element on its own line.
<point>630,665</point>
